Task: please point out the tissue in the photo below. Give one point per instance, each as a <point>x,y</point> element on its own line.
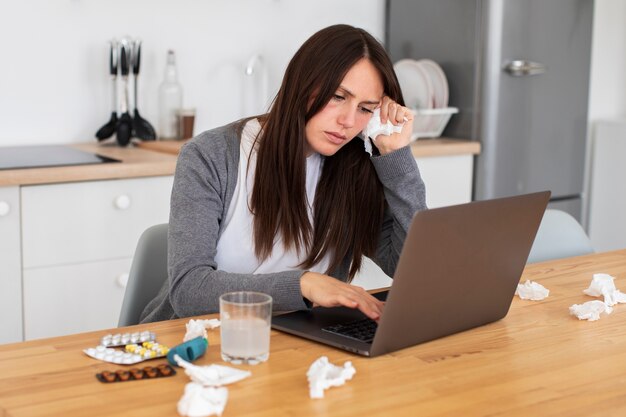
<point>197,328</point>
<point>590,310</point>
<point>200,401</point>
<point>603,285</point>
<point>211,375</point>
<point>323,375</point>
<point>375,127</point>
<point>531,291</point>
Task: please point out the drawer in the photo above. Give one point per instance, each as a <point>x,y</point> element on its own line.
<point>62,300</point>
<point>10,266</point>
<point>90,221</point>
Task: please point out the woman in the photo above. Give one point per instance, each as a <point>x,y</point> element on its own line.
<point>288,203</point>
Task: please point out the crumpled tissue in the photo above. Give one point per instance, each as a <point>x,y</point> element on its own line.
<point>590,310</point>
<point>205,396</point>
<point>531,290</point>
<point>200,401</point>
<point>197,328</point>
<point>603,285</point>
<point>375,127</point>
<point>323,375</point>
<point>211,375</point>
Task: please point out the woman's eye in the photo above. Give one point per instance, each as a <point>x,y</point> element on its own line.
<point>366,110</point>
<point>337,97</point>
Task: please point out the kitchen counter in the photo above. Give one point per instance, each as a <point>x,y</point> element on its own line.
<point>147,159</point>
<point>421,148</point>
<point>135,163</point>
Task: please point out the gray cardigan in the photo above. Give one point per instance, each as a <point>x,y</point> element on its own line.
<point>204,184</point>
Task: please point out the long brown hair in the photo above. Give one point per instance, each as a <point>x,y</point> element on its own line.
<point>349,202</point>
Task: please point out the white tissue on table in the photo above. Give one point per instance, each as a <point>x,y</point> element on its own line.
<point>590,310</point>
<point>211,375</point>
<point>375,127</point>
<point>197,328</point>
<point>603,285</point>
<point>200,401</point>
<point>531,291</point>
<point>323,375</point>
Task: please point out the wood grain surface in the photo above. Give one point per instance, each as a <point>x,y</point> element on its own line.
<point>420,148</point>
<point>135,163</point>
<point>537,361</point>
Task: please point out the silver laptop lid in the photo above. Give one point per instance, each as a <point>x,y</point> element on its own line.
<point>458,269</point>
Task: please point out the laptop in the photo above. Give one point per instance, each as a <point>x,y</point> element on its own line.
<point>458,269</point>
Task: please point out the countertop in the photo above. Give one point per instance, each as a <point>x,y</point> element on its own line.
<point>421,148</point>
<point>136,162</point>
<point>147,159</point>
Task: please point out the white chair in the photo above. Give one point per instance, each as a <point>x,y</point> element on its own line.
<point>147,274</point>
<point>559,236</point>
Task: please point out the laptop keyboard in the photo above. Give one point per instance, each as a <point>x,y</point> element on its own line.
<point>362,330</point>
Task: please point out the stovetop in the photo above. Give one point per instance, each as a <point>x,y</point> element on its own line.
<point>20,157</point>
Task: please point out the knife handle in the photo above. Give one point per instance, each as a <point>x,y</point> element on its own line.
<point>113,57</point>
<point>136,56</point>
<point>124,59</point>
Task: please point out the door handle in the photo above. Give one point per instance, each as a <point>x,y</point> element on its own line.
<point>521,68</point>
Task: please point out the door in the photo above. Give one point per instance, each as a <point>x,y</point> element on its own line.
<point>534,90</point>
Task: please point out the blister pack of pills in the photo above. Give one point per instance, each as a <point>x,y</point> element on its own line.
<point>132,353</point>
<point>136,374</point>
<point>123,339</point>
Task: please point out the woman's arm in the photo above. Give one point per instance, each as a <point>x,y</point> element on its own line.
<point>405,194</point>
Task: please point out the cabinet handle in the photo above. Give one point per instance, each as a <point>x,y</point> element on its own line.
<point>5,208</point>
<point>122,202</point>
<point>122,280</point>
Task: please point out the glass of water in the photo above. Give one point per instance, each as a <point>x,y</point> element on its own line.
<point>245,327</point>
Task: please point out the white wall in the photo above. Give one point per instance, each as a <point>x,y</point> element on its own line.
<point>607,95</point>
<point>607,101</point>
<point>54,83</point>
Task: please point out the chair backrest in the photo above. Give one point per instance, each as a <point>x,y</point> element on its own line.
<point>148,272</point>
<point>559,236</point>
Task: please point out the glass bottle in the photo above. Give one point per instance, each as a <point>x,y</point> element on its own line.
<point>170,100</point>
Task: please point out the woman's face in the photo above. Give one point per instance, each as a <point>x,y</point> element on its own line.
<point>348,111</point>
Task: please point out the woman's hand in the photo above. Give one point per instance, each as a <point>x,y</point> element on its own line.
<point>326,291</point>
<point>396,114</point>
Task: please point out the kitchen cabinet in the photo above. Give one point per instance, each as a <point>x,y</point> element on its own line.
<point>448,179</point>
<point>10,266</point>
<point>66,299</point>
<point>78,240</point>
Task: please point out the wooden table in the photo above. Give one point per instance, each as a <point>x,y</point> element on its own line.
<point>538,360</point>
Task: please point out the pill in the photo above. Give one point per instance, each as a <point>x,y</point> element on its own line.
<point>164,369</point>
<point>108,376</point>
<point>123,375</point>
<point>136,373</point>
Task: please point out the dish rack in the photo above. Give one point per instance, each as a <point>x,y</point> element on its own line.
<point>429,123</point>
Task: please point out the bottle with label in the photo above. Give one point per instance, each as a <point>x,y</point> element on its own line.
<point>170,100</point>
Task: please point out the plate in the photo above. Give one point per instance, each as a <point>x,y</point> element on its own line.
<point>438,80</point>
<point>415,84</point>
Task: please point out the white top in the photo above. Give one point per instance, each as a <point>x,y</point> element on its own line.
<point>235,248</point>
